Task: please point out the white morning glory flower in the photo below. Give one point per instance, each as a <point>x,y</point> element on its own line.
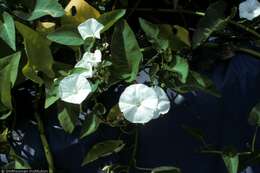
<point>90,28</point>
<point>90,58</point>
<point>88,73</point>
<point>249,9</point>
<point>163,102</point>
<point>74,88</point>
<point>138,103</point>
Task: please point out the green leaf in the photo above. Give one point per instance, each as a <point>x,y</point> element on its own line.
<point>90,125</point>
<point>126,54</point>
<point>46,7</point>
<point>38,53</point>
<point>66,36</point>
<point>166,169</point>
<point>7,30</point>
<point>231,162</point>
<point>103,149</point>
<point>152,32</point>
<point>213,20</point>
<point>115,116</point>
<point>254,116</point>
<point>181,67</point>
<point>8,74</point>
<point>110,18</point>
<point>67,117</point>
<point>162,37</point>
<point>52,95</point>
<point>183,35</point>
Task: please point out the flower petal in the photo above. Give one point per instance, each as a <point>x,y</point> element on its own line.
<point>249,9</point>
<point>138,103</point>
<point>90,28</point>
<point>74,88</point>
<point>164,103</point>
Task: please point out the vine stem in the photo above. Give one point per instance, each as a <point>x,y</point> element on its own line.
<point>254,140</point>
<point>251,31</point>
<point>45,144</point>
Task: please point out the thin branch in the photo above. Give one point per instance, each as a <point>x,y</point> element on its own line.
<point>45,144</point>
<point>254,140</point>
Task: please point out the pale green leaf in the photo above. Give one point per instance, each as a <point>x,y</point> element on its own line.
<point>181,67</point>
<point>46,7</point>
<point>7,30</point>
<point>231,162</point>
<point>66,36</point>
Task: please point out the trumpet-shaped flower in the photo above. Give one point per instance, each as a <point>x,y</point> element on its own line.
<point>90,28</point>
<point>163,102</point>
<point>249,9</point>
<point>74,88</point>
<point>88,71</point>
<point>90,58</point>
<point>138,103</point>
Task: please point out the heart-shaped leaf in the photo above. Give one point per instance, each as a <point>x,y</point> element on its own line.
<point>66,36</point>
<point>103,149</point>
<point>46,7</point>
<point>110,18</point>
<point>126,54</point>
<point>7,30</point>
<point>8,74</point>
<point>38,53</point>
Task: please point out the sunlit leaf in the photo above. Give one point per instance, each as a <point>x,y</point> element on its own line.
<point>126,54</point>
<point>46,7</point>
<point>83,11</point>
<point>7,30</point>
<point>181,67</point>
<point>103,149</point>
<point>66,36</point>
<point>8,74</point>
<point>38,53</point>
<point>45,27</point>
<point>254,116</point>
<point>231,162</point>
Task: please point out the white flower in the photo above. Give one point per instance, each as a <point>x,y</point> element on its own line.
<point>163,102</point>
<point>90,28</point>
<point>88,73</point>
<point>249,9</point>
<point>138,103</point>
<point>74,88</point>
<point>90,58</point>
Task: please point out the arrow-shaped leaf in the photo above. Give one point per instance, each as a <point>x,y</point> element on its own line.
<point>7,30</point>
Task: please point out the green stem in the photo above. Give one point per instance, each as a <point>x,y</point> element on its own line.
<point>45,144</point>
<point>211,152</point>
<point>249,51</point>
<point>251,31</point>
<point>254,140</point>
<point>198,13</point>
